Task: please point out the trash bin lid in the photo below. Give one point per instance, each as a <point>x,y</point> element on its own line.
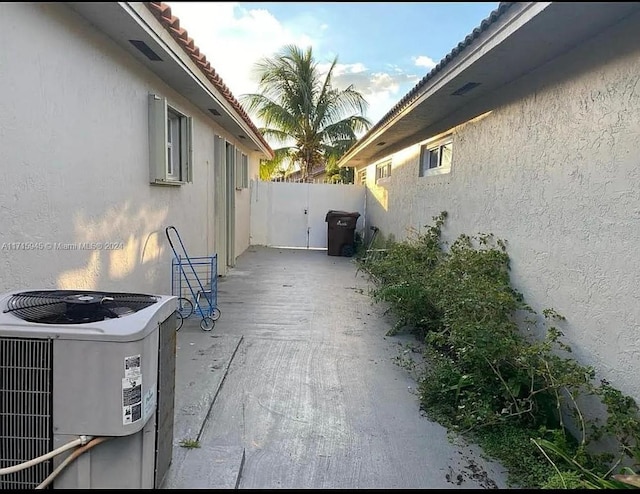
<point>333,213</point>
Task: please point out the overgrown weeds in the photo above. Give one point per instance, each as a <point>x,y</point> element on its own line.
<point>489,376</point>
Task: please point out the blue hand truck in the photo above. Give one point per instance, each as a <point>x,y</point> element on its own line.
<point>194,282</point>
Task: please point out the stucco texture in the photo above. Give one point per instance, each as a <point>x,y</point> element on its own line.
<point>554,172</point>
<point>75,157</point>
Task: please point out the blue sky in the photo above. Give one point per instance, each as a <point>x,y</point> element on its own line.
<point>383,48</point>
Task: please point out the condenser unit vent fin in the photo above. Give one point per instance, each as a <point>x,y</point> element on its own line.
<point>26,376</point>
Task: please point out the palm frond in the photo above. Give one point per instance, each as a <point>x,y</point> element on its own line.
<point>299,105</point>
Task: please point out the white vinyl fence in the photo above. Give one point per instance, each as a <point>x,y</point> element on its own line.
<point>285,214</point>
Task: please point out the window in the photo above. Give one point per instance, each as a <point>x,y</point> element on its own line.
<point>362,176</point>
<point>435,157</point>
<point>173,145</point>
<point>383,170</point>
<point>170,143</point>
<point>242,170</point>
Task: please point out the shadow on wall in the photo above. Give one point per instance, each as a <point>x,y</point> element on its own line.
<point>124,252</point>
<point>390,190</point>
<point>125,249</point>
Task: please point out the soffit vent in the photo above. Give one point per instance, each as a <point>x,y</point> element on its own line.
<point>145,50</point>
<point>465,89</point>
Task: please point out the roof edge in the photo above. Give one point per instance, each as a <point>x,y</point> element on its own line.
<point>162,12</point>
<point>420,88</point>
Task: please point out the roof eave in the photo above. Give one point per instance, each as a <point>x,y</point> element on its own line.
<point>182,66</point>
<point>162,12</point>
<point>497,63</point>
<point>482,39</point>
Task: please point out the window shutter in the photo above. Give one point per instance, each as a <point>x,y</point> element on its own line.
<point>157,139</point>
<point>187,172</point>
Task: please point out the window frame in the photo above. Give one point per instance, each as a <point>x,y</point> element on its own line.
<point>173,145</point>
<point>383,171</point>
<point>170,143</point>
<point>362,176</point>
<point>245,171</point>
<point>426,152</point>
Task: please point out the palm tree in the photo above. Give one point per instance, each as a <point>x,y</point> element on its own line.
<point>313,121</point>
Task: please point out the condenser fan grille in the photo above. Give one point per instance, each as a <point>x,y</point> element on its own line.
<point>75,306</point>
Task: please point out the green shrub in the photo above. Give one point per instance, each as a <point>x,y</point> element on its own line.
<point>485,373</point>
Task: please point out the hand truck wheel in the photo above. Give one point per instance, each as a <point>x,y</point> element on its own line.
<point>185,307</point>
<point>215,314</point>
<point>207,324</point>
<point>179,321</point>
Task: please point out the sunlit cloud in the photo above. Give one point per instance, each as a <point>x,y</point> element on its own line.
<point>341,68</point>
<point>381,89</point>
<point>424,61</point>
<point>235,38</point>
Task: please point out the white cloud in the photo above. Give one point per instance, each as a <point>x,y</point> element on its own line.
<point>341,68</point>
<point>234,38</point>
<point>424,61</point>
<point>382,90</point>
<point>381,81</point>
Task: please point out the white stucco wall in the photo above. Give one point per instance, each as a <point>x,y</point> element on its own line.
<point>555,173</point>
<point>75,162</point>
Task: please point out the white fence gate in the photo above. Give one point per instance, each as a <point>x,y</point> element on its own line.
<point>293,214</point>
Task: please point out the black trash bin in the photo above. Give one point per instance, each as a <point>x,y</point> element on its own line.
<point>341,229</point>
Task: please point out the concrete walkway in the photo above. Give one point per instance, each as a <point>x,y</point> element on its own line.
<point>297,386</point>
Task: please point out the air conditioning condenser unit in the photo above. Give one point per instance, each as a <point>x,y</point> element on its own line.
<point>87,386</point>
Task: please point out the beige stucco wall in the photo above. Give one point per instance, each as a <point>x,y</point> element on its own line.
<point>74,157</point>
<point>555,173</point>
